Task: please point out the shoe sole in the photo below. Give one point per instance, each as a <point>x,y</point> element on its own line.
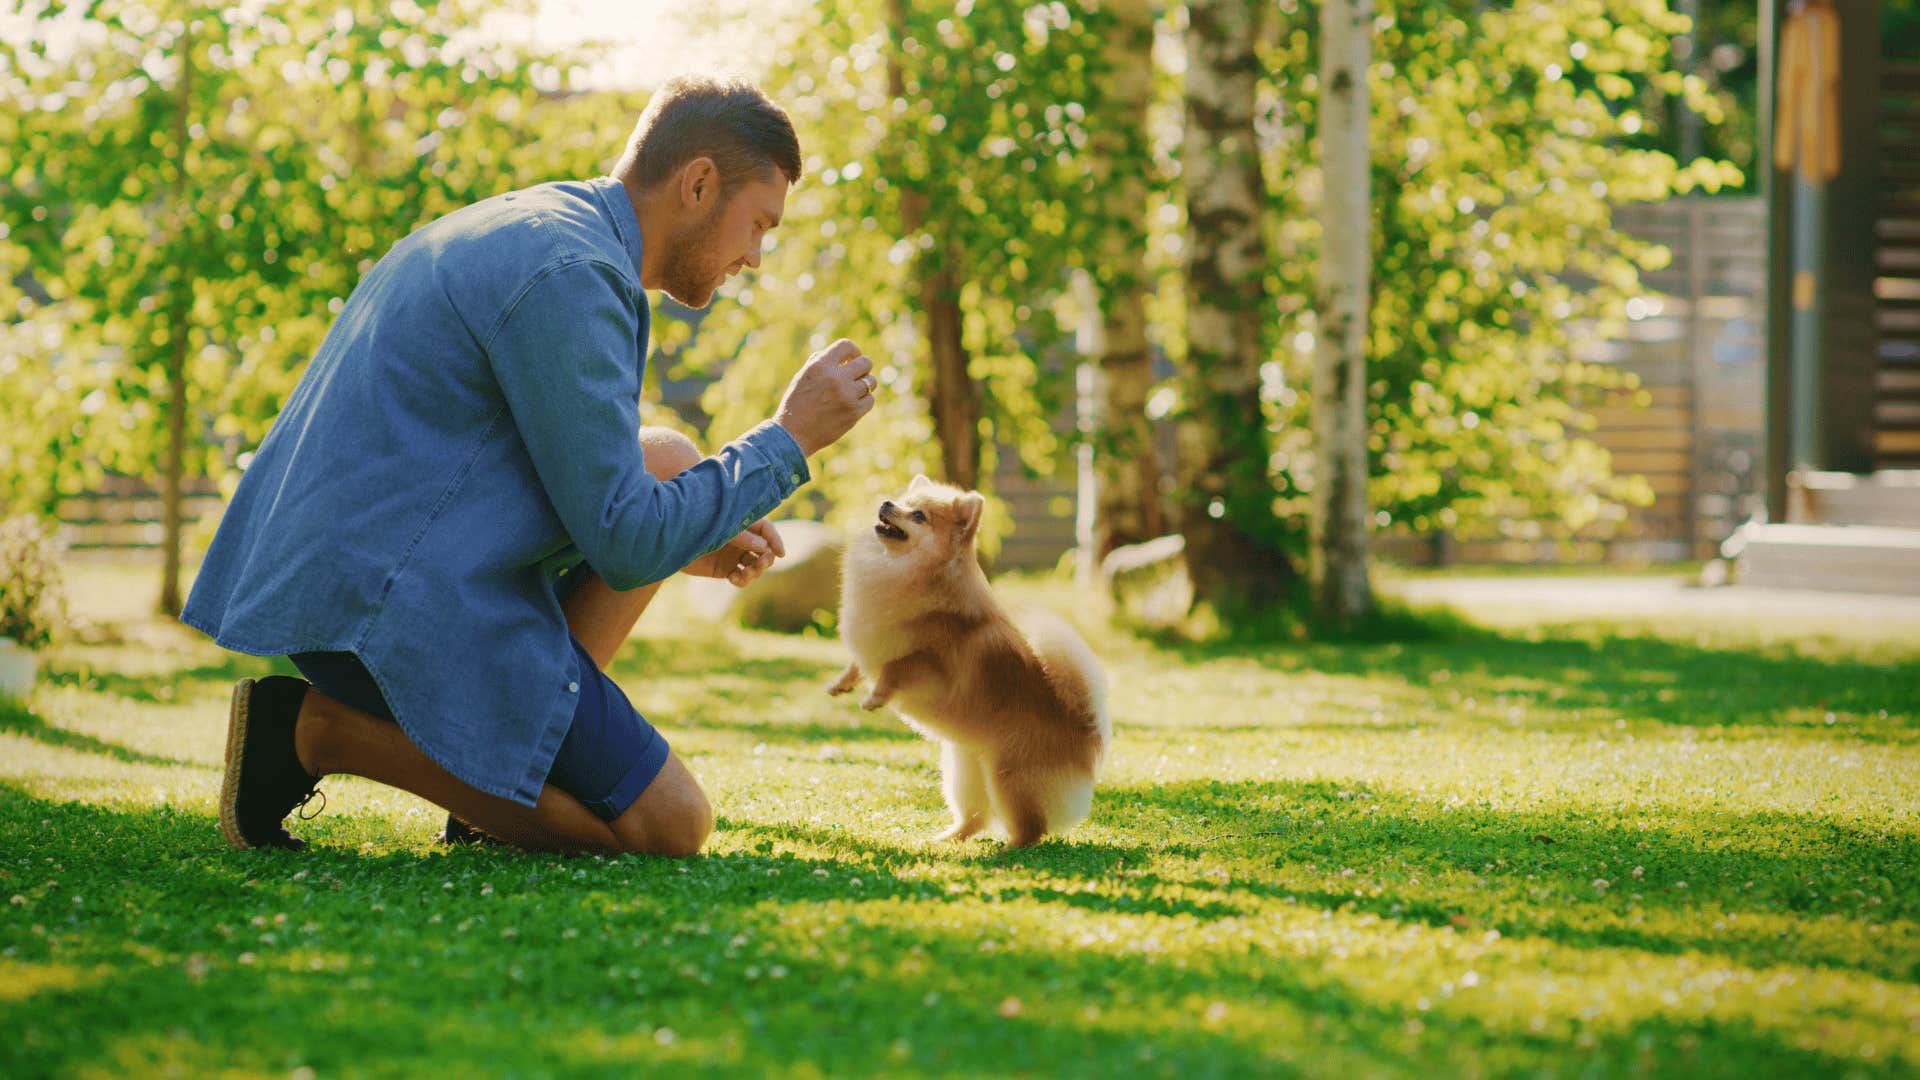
<point>230,783</point>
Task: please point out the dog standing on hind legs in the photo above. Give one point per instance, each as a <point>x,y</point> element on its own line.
<point>1019,711</point>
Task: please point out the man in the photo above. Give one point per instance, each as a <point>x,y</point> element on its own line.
<point>457,518</point>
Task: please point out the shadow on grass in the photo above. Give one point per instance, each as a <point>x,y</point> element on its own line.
<point>17,719</point>
<point>191,958</point>
<point>1565,679</point>
<point>872,730</point>
<point>162,687</point>
<point>1055,856</point>
<point>1784,888</point>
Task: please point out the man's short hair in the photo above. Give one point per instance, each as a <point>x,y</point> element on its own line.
<point>728,120</point>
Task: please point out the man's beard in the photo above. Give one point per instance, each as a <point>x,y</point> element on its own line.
<point>688,275</point>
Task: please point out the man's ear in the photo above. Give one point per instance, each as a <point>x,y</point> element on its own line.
<point>919,481</point>
<point>699,184</point>
<point>970,507</point>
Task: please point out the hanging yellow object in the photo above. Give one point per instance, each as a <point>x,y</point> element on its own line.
<point>1807,127</point>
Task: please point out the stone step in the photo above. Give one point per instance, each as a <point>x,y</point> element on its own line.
<point>1889,497</point>
<point>1840,558</point>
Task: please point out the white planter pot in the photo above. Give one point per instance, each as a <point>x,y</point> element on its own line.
<point>17,668</point>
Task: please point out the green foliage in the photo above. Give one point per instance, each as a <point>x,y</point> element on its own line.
<point>990,131</point>
<point>1496,139</point>
<point>47,407</point>
<point>1636,851</point>
<point>315,136</point>
<point>244,202</point>
<point>33,605</point>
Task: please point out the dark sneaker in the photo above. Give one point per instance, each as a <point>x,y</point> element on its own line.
<point>264,781</point>
<point>459,832</point>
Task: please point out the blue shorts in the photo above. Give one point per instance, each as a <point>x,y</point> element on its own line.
<point>610,753</point>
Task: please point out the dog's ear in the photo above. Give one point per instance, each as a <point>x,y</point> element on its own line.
<point>968,509</point>
<point>919,481</point>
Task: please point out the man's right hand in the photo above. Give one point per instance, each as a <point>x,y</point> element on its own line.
<point>828,395</point>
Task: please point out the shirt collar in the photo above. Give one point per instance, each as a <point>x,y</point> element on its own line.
<point>626,220</point>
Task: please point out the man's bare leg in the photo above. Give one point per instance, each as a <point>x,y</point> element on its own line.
<point>672,817</point>
<point>333,737</point>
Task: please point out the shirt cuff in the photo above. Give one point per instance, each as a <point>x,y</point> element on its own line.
<point>789,461</point>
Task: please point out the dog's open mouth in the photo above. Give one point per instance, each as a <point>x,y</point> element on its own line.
<point>887,530</point>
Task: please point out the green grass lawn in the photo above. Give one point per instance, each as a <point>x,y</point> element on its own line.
<point>1591,850</point>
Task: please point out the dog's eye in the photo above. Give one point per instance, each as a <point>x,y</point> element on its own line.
<point>919,515</point>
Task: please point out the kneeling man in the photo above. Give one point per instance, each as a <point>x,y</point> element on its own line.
<point>457,517</point>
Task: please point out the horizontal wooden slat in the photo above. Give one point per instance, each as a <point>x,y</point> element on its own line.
<point>1652,461</point>
<point>1656,396</point>
<point>1666,484</point>
<point>1894,413</point>
<point>81,511</point>
<point>1651,417</point>
<point>1901,385</point>
<point>116,484</point>
<point>1896,442</point>
<point>1669,439</point>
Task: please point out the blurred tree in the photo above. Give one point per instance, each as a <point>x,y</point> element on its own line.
<point>940,268</point>
<point>1126,457</point>
<point>1496,167</point>
<point>1225,499</point>
<point>944,205</point>
<point>1339,550</point>
<point>224,175</point>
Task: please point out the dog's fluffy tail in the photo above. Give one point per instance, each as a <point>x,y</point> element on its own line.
<point>1070,665</point>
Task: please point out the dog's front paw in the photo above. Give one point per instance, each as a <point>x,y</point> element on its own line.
<point>961,830</point>
<point>848,679</point>
<point>873,701</point>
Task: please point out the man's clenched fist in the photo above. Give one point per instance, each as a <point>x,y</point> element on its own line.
<point>828,395</point>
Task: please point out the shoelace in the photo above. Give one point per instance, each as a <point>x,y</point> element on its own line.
<point>300,807</point>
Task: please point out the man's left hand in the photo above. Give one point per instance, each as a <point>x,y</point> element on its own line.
<point>742,558</point>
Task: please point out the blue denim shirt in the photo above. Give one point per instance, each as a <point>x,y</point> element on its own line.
<point>468,430</point>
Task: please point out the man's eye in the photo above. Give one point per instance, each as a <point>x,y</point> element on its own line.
<point>919,515</point>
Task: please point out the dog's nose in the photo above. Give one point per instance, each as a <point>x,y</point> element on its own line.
<point>886,505</point>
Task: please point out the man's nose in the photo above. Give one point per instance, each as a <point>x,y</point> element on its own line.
<point>753,256</point>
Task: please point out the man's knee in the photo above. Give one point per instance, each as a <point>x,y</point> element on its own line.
<point>672,817</point>
<point>667,452</point>
<point>687,831</point>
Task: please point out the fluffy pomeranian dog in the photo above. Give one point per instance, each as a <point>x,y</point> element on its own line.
<point>1019,712</point>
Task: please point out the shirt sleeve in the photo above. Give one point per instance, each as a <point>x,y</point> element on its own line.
<point>568,357</point>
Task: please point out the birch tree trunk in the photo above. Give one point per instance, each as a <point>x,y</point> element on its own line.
<point>1126,458</point>
<point>1226,499</point>
<point>179,311</point>
<point>1339,543</point>
<point>951,394</point>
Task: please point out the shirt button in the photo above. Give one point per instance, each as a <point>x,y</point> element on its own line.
<point>746,522</point>
<point>795,477</point>
<point>573,688</point>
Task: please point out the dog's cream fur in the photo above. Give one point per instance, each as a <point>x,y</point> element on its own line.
<point>1019,712</point>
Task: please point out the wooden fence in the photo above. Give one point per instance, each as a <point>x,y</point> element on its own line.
<point>124,515</point>
<point>1694,341</point>
<point>1896,416</point>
